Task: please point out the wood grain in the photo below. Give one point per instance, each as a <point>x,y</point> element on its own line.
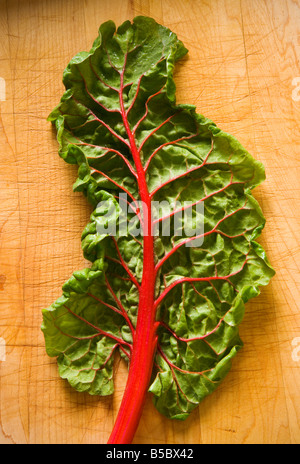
<point>243,57</point>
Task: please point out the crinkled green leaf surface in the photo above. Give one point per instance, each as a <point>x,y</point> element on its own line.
<point>201,287</point>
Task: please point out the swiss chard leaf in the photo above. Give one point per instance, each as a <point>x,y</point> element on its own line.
<point>118,120</point>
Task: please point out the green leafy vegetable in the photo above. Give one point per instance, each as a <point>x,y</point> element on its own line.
<point>168,284</point>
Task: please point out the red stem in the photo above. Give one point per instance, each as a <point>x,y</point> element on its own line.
<point>145,337</point>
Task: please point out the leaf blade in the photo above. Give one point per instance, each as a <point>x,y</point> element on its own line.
<point>119,121</point>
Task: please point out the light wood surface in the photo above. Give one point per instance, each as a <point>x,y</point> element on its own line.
<point>241,70</point>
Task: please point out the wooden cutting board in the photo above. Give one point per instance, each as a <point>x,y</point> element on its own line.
<point>242,72</point>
